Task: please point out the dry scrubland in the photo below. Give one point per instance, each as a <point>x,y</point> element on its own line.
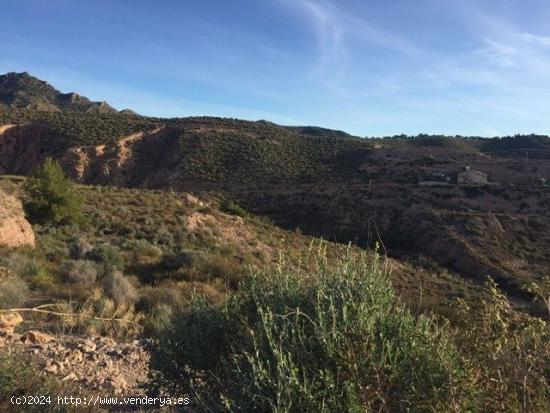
<point>292,323</point>
<point>230,294</point>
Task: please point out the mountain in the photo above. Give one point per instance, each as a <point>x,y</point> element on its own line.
<point>21,90</point>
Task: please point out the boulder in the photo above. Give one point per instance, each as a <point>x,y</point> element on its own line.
<point>15,230</point>
<point>34,337</point>
<point>8,322</point>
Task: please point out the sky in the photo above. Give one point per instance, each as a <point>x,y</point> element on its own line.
<point>368,67</point>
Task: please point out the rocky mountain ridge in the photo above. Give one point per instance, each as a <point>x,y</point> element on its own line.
<point>21,90</point>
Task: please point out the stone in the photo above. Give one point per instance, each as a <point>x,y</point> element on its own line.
<point>34,337</point>
<point>106,344</point>
<point>53,367</point>
<point>71,376</point>
<point>88,346</point>
<point>8,322</point>
<point>74,357</point>
<point>117,384</point>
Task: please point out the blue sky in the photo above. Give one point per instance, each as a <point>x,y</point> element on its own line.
<point>372,68</point>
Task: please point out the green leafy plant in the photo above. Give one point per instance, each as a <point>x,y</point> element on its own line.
<point>52,196</point>
<point>332,339</point>
<point>232,208</point>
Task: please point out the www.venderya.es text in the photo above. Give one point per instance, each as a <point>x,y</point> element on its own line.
<point>99,401</point>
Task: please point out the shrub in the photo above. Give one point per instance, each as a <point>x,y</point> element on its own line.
<point>143,253</point>
<point>232,208</point>
<point>174,262</point>
<point>108,256</point>
<point>53,198</point>
<point>507,352</point>
<point>332,339</point>
<point>158,303</point>
<point>158,320</point>
<point>78,272</point>
<point>43,279</point>
<point>79,248</point>
<point>13,290</point>
<point>168,293</point>
<point>225,268</point>
<point>119,288</point>
<point>54,248</point>
<point>19,264</point>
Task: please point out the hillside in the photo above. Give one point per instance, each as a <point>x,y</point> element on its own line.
<point>327,183</point>
<point>208,150</point>
<point>202,241</point>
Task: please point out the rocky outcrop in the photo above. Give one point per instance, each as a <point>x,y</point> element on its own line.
<point>113,164</point>
<point>15,230</point>
<point>21,147</point>
<point>34,337</point>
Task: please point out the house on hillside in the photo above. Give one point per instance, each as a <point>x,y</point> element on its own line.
<point>471,177</point>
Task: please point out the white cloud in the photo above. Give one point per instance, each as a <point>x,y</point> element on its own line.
<point>543,41</point>
<point>336,28</point>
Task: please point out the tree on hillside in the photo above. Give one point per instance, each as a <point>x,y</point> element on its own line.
<point>52,196</point>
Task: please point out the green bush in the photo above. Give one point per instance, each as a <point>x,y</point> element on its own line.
<point>54,248</point>
<point>232,208</point>
<point>332,339</point>
<point>174,262</point>
<point>109,257</point>
<point>227,269</point>
<point>142,252</point>
<point>52,197</point>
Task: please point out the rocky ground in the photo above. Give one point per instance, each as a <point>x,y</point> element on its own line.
<point>100,364</point>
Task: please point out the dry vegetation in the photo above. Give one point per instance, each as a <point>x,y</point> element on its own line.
<point>142,260</point>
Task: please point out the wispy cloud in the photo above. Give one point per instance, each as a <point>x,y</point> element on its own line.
<point>543,41</point>
<point>329,29</point>
<point>336,28</point>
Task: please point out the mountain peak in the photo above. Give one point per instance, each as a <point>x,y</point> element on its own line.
<point>22,90</point>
